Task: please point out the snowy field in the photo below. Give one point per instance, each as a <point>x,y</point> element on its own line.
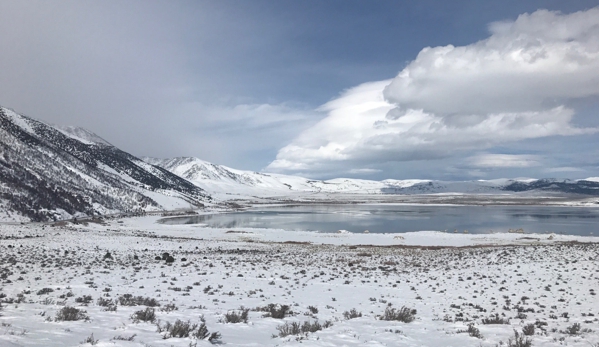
<point>112,284</point>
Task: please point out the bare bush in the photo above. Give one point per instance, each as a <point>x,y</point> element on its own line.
<point>108,304</point>
<point>275,311</point>
<point>85,300</point>
<point>472,331</point>
<point>496,319</point>
<point>296,328</point>
<point>130,300</point>
<point>147,315</point>
<point>186,329</point>
<point>178,329</point>
<point>351,314</point>
<point>104,302</point>
<point>529,329</point>
<point>169,308</point>
<point>573,329</point>
<point>403,314</point>
<point>519,341</point>
<point>124,338</point>
<point>91,340</point>
<point>44,291</point>
<point>240,316</point>
<point>68,313</point>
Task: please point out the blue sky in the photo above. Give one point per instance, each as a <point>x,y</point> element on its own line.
<point>312,87</point>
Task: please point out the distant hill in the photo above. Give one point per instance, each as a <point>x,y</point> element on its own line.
<point>218,179</point>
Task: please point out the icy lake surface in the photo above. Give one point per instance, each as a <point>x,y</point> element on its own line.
<point>405,218</point>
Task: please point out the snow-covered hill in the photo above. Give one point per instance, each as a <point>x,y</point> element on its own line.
<point>220,179</point>
<point>49,172</point>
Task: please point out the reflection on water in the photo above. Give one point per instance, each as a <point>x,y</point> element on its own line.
<point>401,218</point>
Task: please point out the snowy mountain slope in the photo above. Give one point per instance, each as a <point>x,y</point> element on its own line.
<point>54,173</point>
<point>221,179</point>
<point>81,134</point>
<point>584,186</point>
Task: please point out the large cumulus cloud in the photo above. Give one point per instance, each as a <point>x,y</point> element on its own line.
<point>517,84</point>
<point>534,63</point>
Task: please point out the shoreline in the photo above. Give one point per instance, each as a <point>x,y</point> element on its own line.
<point>420,199</point>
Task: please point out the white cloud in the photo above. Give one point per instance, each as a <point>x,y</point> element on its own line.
<point>513,86</point>
<point>564,169</point>
<point>254,116</point>
<point>504,161</point>
<point>357,130</point>
<point>351,118</point>
<point>530,64</point>
<point>364,171</point>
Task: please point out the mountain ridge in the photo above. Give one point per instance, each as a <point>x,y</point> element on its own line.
<point>48,173</point>
<point>219,178</point>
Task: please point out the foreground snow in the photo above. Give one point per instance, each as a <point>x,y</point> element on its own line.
<point>547,280</point>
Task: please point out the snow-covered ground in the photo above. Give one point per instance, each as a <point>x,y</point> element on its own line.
<point>450,280</point>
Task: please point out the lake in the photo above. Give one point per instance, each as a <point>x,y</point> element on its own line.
<point>393,218</point>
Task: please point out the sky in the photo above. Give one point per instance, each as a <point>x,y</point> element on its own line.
<point>449,90</point>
